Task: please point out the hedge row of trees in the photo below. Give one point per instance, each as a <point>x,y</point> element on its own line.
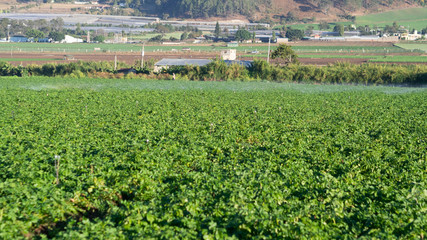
<point>41,28</point>
<point>341,73</point>
<point>36,29</point>
<point>62,69</point>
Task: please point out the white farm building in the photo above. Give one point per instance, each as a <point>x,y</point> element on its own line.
<point>71,39</point>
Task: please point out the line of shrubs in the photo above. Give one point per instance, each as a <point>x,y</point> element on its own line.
<point>260,70</point>
<point>339,73</point>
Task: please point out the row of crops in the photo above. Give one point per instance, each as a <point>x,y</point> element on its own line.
<point>120,159</point>
<point>372,58</point>
<point>89,48</point>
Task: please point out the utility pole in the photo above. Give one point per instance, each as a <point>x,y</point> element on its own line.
<point>115,62</point>
<point>8,36</point>
<point>268,56</point>
<point>142,56</point>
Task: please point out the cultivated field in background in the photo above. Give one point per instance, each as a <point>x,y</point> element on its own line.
<point>412,18</point>
<point>318,53</point>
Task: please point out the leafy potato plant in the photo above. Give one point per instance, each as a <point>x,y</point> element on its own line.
<point>214,164</point>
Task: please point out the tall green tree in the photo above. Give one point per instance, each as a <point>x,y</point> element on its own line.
<point>57,24</point>
<point>285,53</point>
<point>57,36</point>
<point>339,28</point>
<point>99,38</point>
<point>294,34</point>
<point>242,35</point>
<point>79,30</point>
<point>184,36</point>
<point>35,34</point>
<point>217,30</point>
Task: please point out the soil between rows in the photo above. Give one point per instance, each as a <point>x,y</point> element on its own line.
<point>25,59</point>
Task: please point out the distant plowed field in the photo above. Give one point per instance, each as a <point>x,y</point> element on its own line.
<point>310,52</point>
<point>32,58</point>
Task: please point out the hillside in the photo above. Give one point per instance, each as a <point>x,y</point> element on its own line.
<point>275,9</point>
<point>253,10</point>
<point>331,10</point>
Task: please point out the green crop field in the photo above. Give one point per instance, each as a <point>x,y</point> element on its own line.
<point>212,160</point>
<point>317,56</point>
<point>328,49</point>
<point>413,46</point>
<point>412,18</point>
<point>349,49</point>
<point>321,56</point>
<point>389,58</point>
<point>304,26</point>
<point>68,47</point>
<point>97,47</point>
<point>372,58</point>
<point>103,47</point>
<point>135,159</point>
<point>147,36</point>
<point>29,59</point>
<point>336,56</point>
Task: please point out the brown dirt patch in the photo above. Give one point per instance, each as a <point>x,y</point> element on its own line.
<point>55,8</point>
<point>50,8</point>
<point>304,9</point>
<point>129,58</point>
<point>5,4</point>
